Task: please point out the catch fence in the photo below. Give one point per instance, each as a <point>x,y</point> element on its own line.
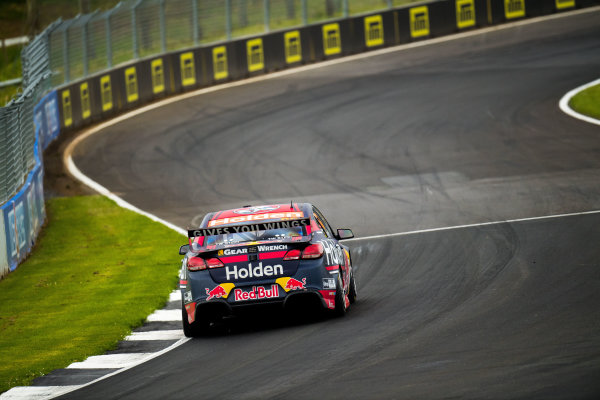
<point>135,29</point>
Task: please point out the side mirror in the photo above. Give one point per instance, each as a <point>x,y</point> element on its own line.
<point>345,234</point>
<point>184,249</point>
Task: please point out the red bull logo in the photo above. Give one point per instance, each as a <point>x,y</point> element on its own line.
<point>221,291</point>
<point>294,284</point>
<point>216,293</point>
<point>257,293</point>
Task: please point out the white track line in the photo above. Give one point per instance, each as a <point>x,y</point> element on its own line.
<point>122,360</point>
<point>173,334</point>
<point>169,315</point>
<point>175,295</point>
<point>447,228</point>
<point>164,316</point>
<point>37,392</point>
<point>564,103</point>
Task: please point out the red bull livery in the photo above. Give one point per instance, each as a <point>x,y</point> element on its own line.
<point>279,254</point>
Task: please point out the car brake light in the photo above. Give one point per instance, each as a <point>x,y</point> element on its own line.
<point>196,264</point>
<point>313,251</point>
<point>292,255</point>
<point>214,263</point>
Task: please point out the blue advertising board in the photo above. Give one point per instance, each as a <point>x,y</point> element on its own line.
<point>46,118</point>
<point>23,215</point>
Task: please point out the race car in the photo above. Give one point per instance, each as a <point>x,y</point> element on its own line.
<point>280,254</point>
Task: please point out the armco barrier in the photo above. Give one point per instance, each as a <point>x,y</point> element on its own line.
<point>114,91</point>
<point>23,215</point>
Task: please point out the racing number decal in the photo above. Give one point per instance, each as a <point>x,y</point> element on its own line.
<point>67,110</point>
<point>332,43</point>
<point>419,22</point>
<point>514,8</point>
<point>131,86</point>
<point>106,93</point>
<point>86,109</point>
<point>188,72</point>
<point>293,49</point>
<point>220,63</point>
<point>373,30</point>
<point>465,13</point>
<point>255,55</point>
<point>561,4</point>
<point>158,76</point>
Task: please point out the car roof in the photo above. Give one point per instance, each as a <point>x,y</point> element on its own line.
<point>265,212</point>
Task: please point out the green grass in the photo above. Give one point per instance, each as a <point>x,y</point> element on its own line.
<point>7,93</point>
<point>10,68</point>
<point>96,272</point>
<point>587,102</point>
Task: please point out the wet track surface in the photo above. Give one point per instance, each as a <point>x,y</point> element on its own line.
<point>462,132</point>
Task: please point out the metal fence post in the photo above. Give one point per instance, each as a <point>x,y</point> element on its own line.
<point>304,13</point>
<point>65,55</point>
<point>345,8</point>
<point>228,19</point>
<point>267,12</point>
<point>163,28</point>
<point>390,3</point>
<point>84,38</point>
<point>136,50</point>
<point>195,35</point>
<point>108,41</point>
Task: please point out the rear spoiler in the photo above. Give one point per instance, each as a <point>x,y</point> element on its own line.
<point>263,226</point>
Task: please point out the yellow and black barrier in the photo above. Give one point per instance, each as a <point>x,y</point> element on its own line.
<point>142,81</point>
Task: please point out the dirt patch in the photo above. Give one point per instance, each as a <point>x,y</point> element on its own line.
<point>57,181</point>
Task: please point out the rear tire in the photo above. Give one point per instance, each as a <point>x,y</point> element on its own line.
<point>195,329</point>
<point>352,290</point>
<point>340,303</point>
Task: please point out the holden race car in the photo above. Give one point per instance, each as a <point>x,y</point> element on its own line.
<point>280,254</point>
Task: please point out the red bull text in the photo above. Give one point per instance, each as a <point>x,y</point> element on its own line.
<point>257,293</point>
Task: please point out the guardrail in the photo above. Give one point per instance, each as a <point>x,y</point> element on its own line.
<point>102,94</point>
<point>23,132</point>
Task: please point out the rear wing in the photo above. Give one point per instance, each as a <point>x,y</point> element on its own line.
<point>263,226</point>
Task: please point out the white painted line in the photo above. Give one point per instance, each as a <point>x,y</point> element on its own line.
<point>447,228</point>
<point>105,192</point>
<point>175,295</point>
<point>564,103</point>
<point>157,335</point>
<point>165,316</point>
<point>122,360</point>
<point>36,392</point>
<point>150,357</point>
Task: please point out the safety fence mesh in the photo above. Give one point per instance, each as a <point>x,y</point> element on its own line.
<point>135,29</point>
<point>17,130</point>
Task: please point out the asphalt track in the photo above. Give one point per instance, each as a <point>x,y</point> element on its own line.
<point>462,132</point>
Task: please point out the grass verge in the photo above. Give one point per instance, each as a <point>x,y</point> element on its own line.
<point>97,271</point>
<point>587,102</point>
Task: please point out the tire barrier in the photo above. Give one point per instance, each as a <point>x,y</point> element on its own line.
<point>114,91</point>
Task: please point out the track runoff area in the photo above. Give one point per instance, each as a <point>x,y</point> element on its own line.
<point>112,364</point>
